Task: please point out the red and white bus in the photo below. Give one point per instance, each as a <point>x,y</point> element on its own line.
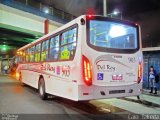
<point>91,57</point>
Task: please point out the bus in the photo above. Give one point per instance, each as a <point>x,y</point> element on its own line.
<point>91,57</point>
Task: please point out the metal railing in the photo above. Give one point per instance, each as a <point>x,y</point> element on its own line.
<point>55,15</point>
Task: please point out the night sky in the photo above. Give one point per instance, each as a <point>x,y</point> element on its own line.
<point>132,7</point>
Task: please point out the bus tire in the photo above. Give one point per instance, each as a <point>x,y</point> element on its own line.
<point>41,89</point>
<point>20,79</point>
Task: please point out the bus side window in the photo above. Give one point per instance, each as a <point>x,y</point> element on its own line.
<point>65,53</point>
<point>54,48</point>
<point>31,53</point>
<point>72,35</point>
<point>18,57</point>
<point>68,49</point>
<point>23,56</point>
<point>37,52</point>
<point>44,52</point>
<point>27,55</point>
<point>64,38</point>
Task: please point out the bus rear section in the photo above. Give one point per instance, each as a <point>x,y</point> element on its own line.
<point>111,60</point>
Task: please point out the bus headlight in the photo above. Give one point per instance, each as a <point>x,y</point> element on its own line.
<point>17,75</point>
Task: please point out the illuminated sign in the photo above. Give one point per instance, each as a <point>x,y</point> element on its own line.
<point>117,77</point>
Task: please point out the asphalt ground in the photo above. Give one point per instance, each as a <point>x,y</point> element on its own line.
<point>23,102</point>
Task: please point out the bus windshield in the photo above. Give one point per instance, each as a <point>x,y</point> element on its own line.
<point>110,34</point>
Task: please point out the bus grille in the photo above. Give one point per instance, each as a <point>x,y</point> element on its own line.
<point>116,91</point>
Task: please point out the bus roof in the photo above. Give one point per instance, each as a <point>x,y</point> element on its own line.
<point>64,27</point>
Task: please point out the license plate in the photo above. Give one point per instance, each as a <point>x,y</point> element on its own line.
<point>117,77</point>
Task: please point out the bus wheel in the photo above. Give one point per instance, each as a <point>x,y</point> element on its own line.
<point>20,79</point>
<point>41,88</point>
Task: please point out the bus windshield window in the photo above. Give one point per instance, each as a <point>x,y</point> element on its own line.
<point>108,34</point>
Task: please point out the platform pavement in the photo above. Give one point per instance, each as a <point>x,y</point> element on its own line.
<point>147,104</point>
<point>146,92</point>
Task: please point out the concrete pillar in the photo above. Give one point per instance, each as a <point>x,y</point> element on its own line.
<point>46,26</point>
